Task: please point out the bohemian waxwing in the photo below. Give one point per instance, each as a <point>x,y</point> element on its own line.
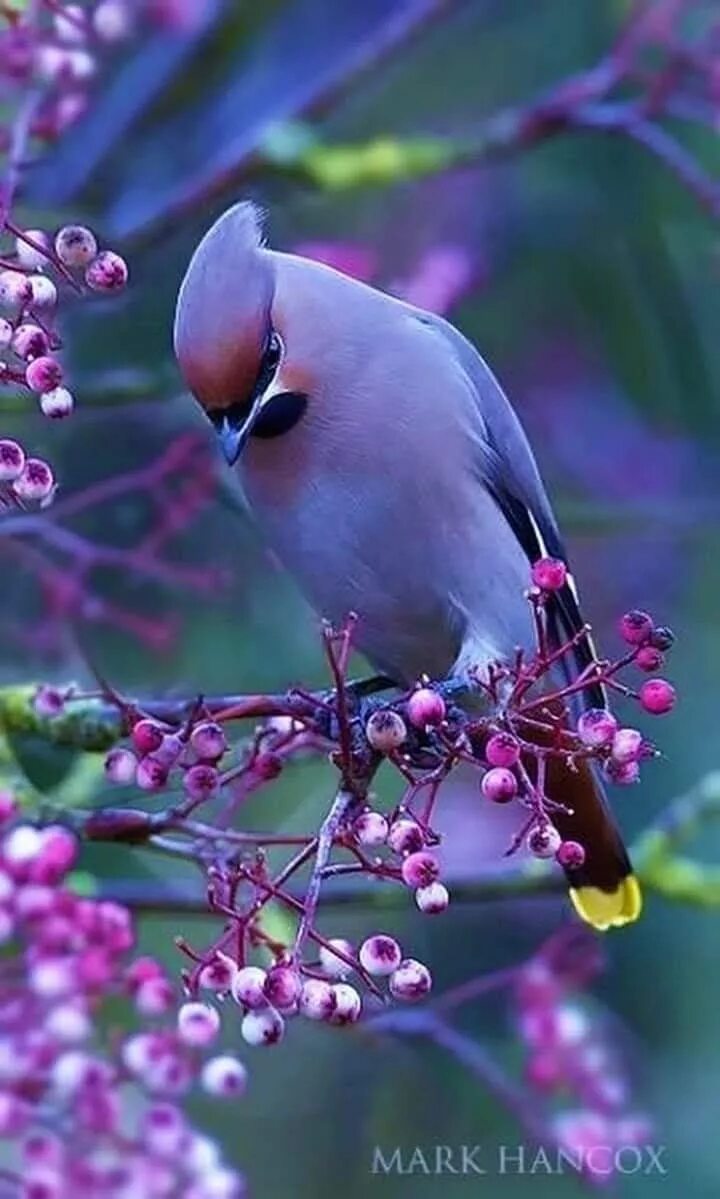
<point>391,477</point>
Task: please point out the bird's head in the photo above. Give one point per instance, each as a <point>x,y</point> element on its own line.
<point>225,342</point>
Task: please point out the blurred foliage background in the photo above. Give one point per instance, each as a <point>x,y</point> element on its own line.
<point>592,289</point>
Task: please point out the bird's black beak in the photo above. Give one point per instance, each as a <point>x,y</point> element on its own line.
<point>233,428</point>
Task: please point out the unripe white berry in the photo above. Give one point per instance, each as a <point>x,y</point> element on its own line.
<point>411,981</point>
<point>432,899</point>
<point>331,964</point>
<point>263,1027</point>
<point>223,1075</point>
<point>197,1024</point>
<point>317,999</point>
<point>248,987</point>
<point>348,1004</point>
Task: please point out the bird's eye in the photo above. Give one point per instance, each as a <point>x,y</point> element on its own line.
<point>236,413</point>
<point>268,366</point>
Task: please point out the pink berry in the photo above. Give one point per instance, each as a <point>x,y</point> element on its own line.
<point>636,626</point>
<point>649,658</point>
<point>570,854</point>
<point>155,997</point>
<point>42,1148</point>
<point>35,482</point>
<point>420,869</point>
<point>544,840</point>
<point>385,731</point>
<point>6,332</point>
<point>499,785</point>
<point>317,999</point>
<point>348,1004</point>
<point>208,741</point>
<point>626,746</point>
<point>57,404</point>
<point>12,460</point>
<point>282,987</point>
<point>147,736</point>
<point>380,955</point>
<point>108,272</point>
<point>657,697</point>
<point>544,1071</point>
<point>58,853</point>
<point>43,374</point>
<point>219,973</point>
<point>264,1027</point>
<point>623,773</point>
<point>248,987</point>
<point>597,727</point>
<point>502,750</point>
<point>8,808</point>
<point>112,20</point>
<point>405,836</point>
<point>70,24</point>
<point>169,749</point>
<point>197,1024</point>
<point>549,574</point>
<point>48,701</point>
<point>163,1130</point>
<point>411,981</point>
<point>425,707</point>
<point>432,899</point>
<point>223,1076</point>
<point>370,828</point>
<point>201,782</point>
<point>75,245</point>
<point>30,341</point>
<point>150,774</point>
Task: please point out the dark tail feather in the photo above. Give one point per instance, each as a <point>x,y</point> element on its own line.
<point>604,890</point>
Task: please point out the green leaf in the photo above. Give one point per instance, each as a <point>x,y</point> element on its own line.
<point>44,764</point>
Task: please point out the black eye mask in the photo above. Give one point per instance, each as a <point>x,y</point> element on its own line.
<point>279,414</point>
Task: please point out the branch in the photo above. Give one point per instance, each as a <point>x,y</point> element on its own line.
<point>658,864</point>
<point>591,101</point>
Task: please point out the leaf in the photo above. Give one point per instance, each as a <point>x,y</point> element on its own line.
<point>44,764</point>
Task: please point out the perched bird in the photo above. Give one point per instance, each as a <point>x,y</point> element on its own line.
<point>391,477</point>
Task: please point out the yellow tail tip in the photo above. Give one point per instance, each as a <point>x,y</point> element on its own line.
<point>608,909</point>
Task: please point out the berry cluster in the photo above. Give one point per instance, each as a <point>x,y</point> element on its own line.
<point>524,698</point>
<point>23,481</point>
<point>158,750</point>
<point>569,1055</point>
<point>59,48</point>
<point>319,991</point>
<point>86,1115</point>
<point>423,734</point>
<point>28,296</point>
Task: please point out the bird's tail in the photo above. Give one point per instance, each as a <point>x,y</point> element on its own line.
<point>604,891</point>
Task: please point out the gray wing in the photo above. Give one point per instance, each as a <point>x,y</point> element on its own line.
<point>507,468</point>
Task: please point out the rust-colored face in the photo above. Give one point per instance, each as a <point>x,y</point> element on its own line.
<point>226,346</point>
<point>222,321</point>
<point>267,412</point>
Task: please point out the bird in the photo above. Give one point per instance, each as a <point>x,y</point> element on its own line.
<point>392,478</point>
